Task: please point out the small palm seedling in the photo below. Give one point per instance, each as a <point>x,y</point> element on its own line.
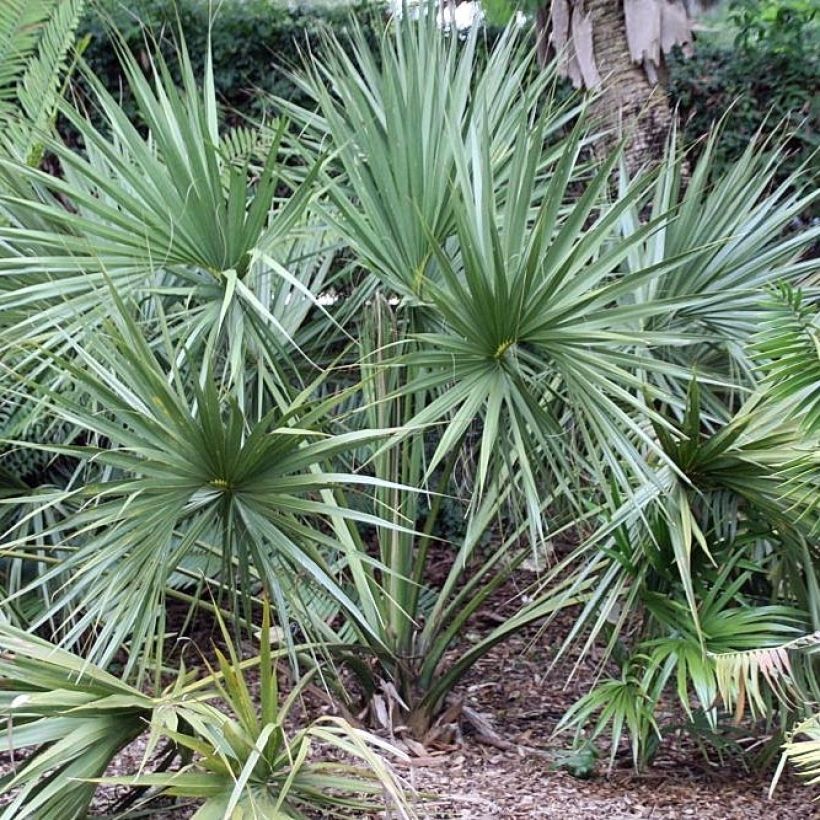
<point>67,719</point>
<point>715,564</point>
<point>64,721</point>
<point>247,762</point>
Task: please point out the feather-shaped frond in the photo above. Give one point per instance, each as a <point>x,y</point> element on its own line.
<point>39,86</point>
<point>744,678</point>
<point>21,23</point>
<point>35,40</point>
<point>788,349</point>
<point>242,145</point>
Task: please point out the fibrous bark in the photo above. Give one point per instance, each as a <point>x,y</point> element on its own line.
<point>616,48</point>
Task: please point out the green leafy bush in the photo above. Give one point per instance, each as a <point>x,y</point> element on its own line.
<point>768,76</point>
<point>254,43</point>
<point>784,25</point>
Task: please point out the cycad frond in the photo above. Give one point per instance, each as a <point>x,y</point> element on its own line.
<point>788,348</point>
<point>38,89</point>
<point>35,39</point>
<point>21,23</point>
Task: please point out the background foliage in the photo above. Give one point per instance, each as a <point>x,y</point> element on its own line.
<point>761,65</point>
<point>764,70</point>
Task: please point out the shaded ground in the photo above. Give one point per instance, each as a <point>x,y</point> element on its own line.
<point>511,690</point>
<point>482,782</point>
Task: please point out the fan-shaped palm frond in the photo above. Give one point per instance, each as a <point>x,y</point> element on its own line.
<point>165,212</point>
<point>397,118</point>
<point>744,677</point>
<point>730,228</point>
<point>175,464</point>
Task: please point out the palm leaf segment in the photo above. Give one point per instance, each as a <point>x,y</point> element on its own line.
<point>745,678</point>
<point>788,350</point>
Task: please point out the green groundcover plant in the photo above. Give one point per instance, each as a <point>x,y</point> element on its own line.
<point>207,738</point>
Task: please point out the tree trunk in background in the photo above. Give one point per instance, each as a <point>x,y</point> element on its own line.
<point>628,104</point>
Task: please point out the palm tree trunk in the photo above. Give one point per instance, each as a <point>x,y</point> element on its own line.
<point>628,105</point>
<point>594,43</point>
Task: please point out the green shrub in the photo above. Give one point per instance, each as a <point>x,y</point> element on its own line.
<point>768,76</point>
<point>254,43</point>
<point>784,25</point>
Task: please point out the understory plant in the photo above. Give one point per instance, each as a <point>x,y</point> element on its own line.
<point>716,582</point>
<point>363,364</point>
<point>207,738</point>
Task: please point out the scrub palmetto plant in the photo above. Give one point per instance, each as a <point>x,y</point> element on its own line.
<point>207,738</point>
<point>174,467</point>
<point>522,331</point>
<point>716,581</point>
<point>181,215</point>
<point>726,533</point>
<point>706,570</point>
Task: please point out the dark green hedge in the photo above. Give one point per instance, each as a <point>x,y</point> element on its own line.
<point>254,42</point>
<point>757,86</point>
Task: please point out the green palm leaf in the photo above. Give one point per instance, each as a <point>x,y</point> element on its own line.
<point>184,468</point>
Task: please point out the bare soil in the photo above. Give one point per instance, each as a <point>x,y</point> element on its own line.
<point>481,778</point>
<point>479,781</point>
